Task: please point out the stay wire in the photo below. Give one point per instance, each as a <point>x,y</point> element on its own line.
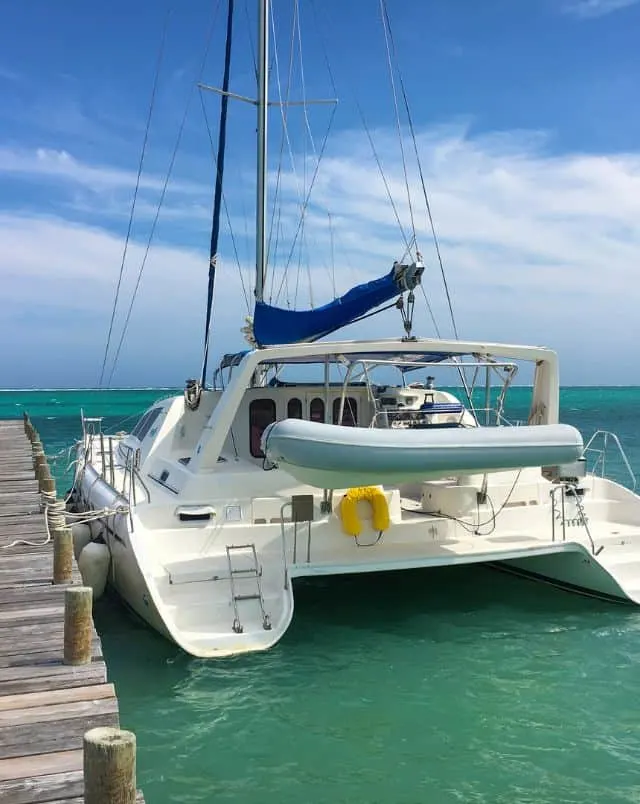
<point>421,174</point>
<point>387,34</point>
<point>135,191</point>
<point>164,190</point>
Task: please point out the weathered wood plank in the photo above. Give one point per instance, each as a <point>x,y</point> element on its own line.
<point>41,614</point>
<point>18,508</point>
<point>43,654</point>
<point>13,561</point>
<point>30,700</point>
<point>38,575</point>
<point>58,712</point>
<point>47,638</point>
<point>23,519</point>
<point>52,676</point>
<point>45,765</point>
<point>7,486</point>
<point>63,735</point>
<point>139,799</point>
<point>36,789</point>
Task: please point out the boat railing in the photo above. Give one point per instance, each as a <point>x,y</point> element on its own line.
<point>599,467</point>
<point>409,417</point>
<point>499,419</point>
<point>131,475</point>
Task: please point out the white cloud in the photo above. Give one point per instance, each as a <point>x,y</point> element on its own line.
<point>538,248</point>
<point>59,165</point>
<point>587,9</point>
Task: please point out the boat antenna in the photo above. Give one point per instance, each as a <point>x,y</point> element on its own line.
<point>263,100</point>
<point>217,198</point>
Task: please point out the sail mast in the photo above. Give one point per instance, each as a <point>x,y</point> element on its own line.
<point>261,199</point>
<point>217,198</point>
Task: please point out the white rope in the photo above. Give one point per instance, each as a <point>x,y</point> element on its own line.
<point>56,518</point>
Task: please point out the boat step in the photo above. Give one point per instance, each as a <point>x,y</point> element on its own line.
<point>247,597</point>
<point>250,572</point>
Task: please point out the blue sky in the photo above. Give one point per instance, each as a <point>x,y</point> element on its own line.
<point>528,128</point>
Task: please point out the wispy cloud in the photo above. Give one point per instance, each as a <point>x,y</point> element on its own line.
<point>45,163</point>
<point>8,75</point>
<point>538,247</point>
<point>588,9</point>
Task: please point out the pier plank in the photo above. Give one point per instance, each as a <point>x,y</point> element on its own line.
<point>45,706</point>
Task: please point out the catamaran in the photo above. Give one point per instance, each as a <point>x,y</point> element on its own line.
<point>221,496</point>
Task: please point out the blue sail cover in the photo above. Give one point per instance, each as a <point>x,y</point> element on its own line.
<point>276,325</point>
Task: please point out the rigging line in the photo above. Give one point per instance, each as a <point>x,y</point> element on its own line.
<point>422,180</point>
<point>164,189</point>
<point>296,26</point>
<point>426,299</point>
<point>284,111</point>
<point>305,108</point>
<point>324,50</point>
<point>135,191</point>
<point>397,111</point>
<point>302,80</point>
<point>306,201</point>
<point>225,206</point>
<point>333,260</point>
<point>384,178</point>
<point>252,47</point>
<point>217,197</point>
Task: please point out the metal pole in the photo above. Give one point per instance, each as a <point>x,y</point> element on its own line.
<point>261,200</point>
<point>487,396</point>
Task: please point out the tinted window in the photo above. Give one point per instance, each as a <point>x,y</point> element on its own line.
<point>261,413</point>
<point>349,412</point>
<point>146,423</point>
<point>316,410</point>
<point>294,409</point>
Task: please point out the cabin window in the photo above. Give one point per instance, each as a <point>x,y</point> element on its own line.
<point>316,410</point>
<point>262,412</point>
<point>294,409</point>
<point>349,412</point>
<point>146,423</point>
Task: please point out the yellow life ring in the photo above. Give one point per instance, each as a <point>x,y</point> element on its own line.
<point>349,509</point>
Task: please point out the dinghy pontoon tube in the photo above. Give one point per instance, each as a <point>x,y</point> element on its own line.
<point>333,456</point>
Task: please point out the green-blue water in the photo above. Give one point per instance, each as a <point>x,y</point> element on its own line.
<point>455,685</point>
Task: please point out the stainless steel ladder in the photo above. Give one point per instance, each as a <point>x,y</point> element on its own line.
<point>253,571</point>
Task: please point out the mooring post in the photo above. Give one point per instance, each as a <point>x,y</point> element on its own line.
<point>78,624</point>
<point>48,487</point>
<point>109,760</point>
<point>62,555</point>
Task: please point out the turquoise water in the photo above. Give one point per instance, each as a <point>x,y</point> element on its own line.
<point>455,685</point>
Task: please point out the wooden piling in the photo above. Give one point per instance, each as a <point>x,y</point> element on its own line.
<point>109,766</point>
<point>62,556</point>
<point>78,624</point>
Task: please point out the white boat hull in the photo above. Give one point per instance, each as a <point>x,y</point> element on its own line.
<point>185,595</point>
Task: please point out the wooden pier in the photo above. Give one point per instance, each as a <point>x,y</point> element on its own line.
<point>46,705</point>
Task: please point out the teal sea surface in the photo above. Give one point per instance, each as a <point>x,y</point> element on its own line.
<point>439,686</point>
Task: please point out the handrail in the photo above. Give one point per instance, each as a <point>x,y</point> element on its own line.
<point>561,515</point>
<point>606,435</point>
<point>130,468</point>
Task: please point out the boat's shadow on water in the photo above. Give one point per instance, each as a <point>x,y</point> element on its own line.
<point>449,604</point>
